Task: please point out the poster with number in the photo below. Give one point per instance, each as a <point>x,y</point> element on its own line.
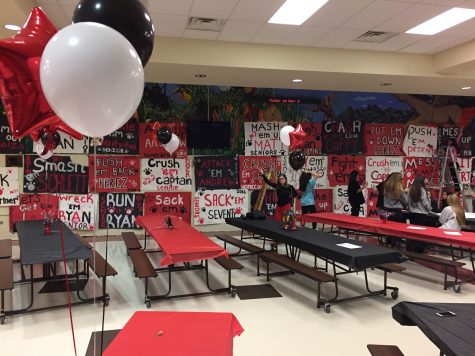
<point>78,211</point>
<point>9,187</point>
<point>251,166</point>
<point>162,174</point>
<point>120,210</point>
<point>8,144</point>
<point>263,139</point>
<point>420,141</point>
<point>342,137</point>
<point>423,166</point>
<point>379,167</point>
<point>214,206</point>
<point>33,207</point>
<point>169,203</point>
<point>340,167</point>
<point>317,164</point>
<point>383,139</point>
<point>114,174</point>
<point>216,172</point>
<point>340,201</point>
<point>123,141</point>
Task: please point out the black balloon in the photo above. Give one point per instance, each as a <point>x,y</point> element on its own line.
<point>56,139</point>
<point>164,135</point>
<point>129,17</point>
<point>296,159</point>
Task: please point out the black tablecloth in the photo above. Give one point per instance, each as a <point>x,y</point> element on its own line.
<point>454,336</point>
<point>321,244</point>
<point>38,248</point>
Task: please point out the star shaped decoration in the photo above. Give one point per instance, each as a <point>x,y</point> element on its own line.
<point>20,88</point>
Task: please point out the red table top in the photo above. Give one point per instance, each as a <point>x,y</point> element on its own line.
<point>176,333</point>
<point>182,243</point>
<point>391,228</point>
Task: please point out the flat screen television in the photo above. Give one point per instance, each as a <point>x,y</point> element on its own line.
<point>207,134</point>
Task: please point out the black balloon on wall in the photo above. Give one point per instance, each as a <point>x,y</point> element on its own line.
<point>296,159</point>
<point>129,17</point>
<point>164,135</point>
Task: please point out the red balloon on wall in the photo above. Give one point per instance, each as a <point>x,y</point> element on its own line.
<point>297,138</point>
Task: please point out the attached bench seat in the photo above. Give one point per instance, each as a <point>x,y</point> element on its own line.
<point>143,268</point>
<point>131,241</point>
<point>6,283</point>
<point>228,239</point>
<point>384,350</point>
<point>229,264</point>
<point>6,248</point>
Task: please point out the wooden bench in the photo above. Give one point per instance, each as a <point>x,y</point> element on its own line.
<point>390,268</point>
<point>229,264</point>
<point>384,350</point>
<point>143,268</point>
<point>5,248</point>
<point>228,239</point>
<point>6,283</point>
<point>131,241</point>
<point>297,267</point>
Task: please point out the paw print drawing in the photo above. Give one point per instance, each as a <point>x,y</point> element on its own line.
<point>203,210</point>
<point>29,184</point>
<point>111,210</point>
<point>282,152</point>
<point>147,171</point>
<point>1,191</point>
<point>201,193</point>
<point>128,211</point>
<point>183,210</point>
<point>238,211</point>
<point>249,143</point>
<point>153,209</point>
<point>201,220</point>
<point>130,135</point>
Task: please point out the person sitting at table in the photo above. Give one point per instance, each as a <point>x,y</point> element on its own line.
<point>419,208</point>
<point>453,216</point>
<point>395,198</point>
<point>443,202</point>
<point>307,183</point>
<point>285,194</point>
<point>355,193</point>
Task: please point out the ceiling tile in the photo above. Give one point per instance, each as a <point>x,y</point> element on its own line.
<point>306,36</point>
<point>220,9</point>
<point>169,25</point>
<point>463,30</point>
<point>398,42</point>
<point>240,31</point>
<point>273,33</point>
<point>201,35</point>
<point>432,44</point>
<point>450,3</point>
<point>255,10</point>
<point>336,12</point>
<point>175,7</point>
<point>359,45</point>
<point>337,38</point>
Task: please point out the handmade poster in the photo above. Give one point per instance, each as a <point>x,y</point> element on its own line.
<point>214,206</point>
<point>114,174</point>
<point>33,207</point>
<point>341,204</point>
<point>58,174</point>
<point>323,201</point>
<point>465,170</point>
<point>8,144</point>
<point>460,138</point>
<point>269,202</point>
<point>313,139</point>
<point>68,144</point>
<point>424,166</point>
<point>340,167</point>
<point>342,137</point>
<point>119,210</point>
<point>150,146</point>
<point>379,167</point>
<point>166,174</point>
<point>371,196</point>
<point>78,211</point>
<point>124,141</point>
<point>472,179</point>
<point>383,139</point>
<point>9,187</point>
<point>251,166</point>
<point>420,141</point>
<point>216,172</point>
<point>317,164</point>
<point>169,203</point>
<point>263,139</point>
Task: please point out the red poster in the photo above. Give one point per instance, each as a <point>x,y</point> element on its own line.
<point>427,167</point>
<point>371,201</point>
<point>172,203</point>
<point>34,207</point>
<point>149,145</point>
<point>114,174</point>
<point>383,139</point>
<point>340,167</point>
<point>313,139</point>
<point>323,201</point>
<point>250,167</point>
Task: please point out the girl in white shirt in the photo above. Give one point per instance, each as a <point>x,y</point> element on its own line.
<point>453,216</point>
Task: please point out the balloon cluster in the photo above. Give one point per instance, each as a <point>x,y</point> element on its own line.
<point>169,140</point>
<point>294,138</point>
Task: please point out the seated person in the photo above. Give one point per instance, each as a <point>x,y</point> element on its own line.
<point>453,216</point>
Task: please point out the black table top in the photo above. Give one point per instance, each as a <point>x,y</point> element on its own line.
<point>454,335</point>
<point>321,244</point>
<point>38,248</point>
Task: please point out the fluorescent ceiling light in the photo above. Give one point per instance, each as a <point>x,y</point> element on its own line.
<point>443,21</point>
<point>12,27</point>
<point>466,88</point>
<point>297,80</point>
<point>296,12</point>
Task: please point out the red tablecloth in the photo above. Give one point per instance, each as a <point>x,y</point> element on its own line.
<point>391,228</point>
<point>183,243</point>
<point>182,334</point>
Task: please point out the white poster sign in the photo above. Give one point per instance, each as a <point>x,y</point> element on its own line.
<point>9,187</point>
<point>214,206</point>
<point>263,139</point>
<point>379,167</point>
<point>340,201</point>
<point>317,164</point>
<point>166,174</point>
<point>68,144</point>
<point>420,141</point>
<point>78,211</point>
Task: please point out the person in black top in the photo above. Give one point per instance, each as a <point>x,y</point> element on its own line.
<point>285,195</point>
<point>355,193</point>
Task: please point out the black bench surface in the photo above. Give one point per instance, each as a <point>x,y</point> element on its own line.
<point>131,240</point>
<point>384,350</point>
<point>239,243</point>
<point>6,274</point>
<point>433,259</point>
<point>99,266</point>
<point>142,266</point>
<point>5,248</point>
<point>228,263</point>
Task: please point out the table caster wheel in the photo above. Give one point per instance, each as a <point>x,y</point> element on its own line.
<point>327,308</point>
<point>233,293</point>
<point>457,288</point>
<point>148,304</point>
<point>395,294</point>
<point>106,302</point>
<point>2,319</point>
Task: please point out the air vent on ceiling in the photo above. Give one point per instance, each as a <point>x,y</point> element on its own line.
<point>205,24</point>
<point>375,36</point>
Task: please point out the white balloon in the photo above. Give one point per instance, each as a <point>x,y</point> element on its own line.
<point>284,134</point>
<point>39,147</point>
<point>173,144</point>
<point>92,78</point>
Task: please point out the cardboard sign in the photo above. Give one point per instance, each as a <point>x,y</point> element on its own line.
<point>371,197</point>
<point>114,174</point>
<point>458,137</point>
<point>251,166</point>
<point>263,139</point>
<point>379,167</point>
<point>268,204</point>
<point>68,144</point>
<point>465,170</point>
<point>78,211</point>
<point>33,207</point>
<point>216,172</point>
<point>8,144</point>
<point>164,203</point>
<point>313,140</point>
<point>420,141</point>
<point>119,210</point>
<point>58,174</point>
<point>124,141</point>
<point>160,174</point>
<point>323,201</point>
<point>150,146</point>
<point>317,164</point>
<point>341,205</point>
<point>342,137</point>
<point>383,139</point>
<point>472,179</point>
<point>214,206</point>
<point>423,166</point>
<point>9,187</point>
<point>340,167</point>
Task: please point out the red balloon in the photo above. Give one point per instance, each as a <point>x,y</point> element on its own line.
<point>20,88</point>
<point>297,138</point>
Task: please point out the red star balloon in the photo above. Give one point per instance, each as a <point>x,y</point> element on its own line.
<point>20,88</point>
<point>297,138</point>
